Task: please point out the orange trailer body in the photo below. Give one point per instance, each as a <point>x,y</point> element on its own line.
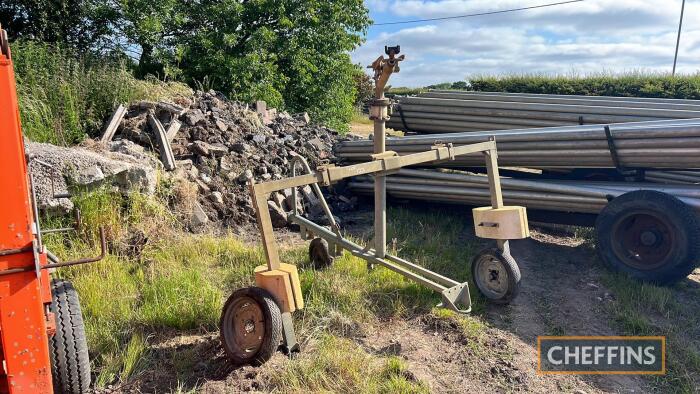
<point>25,319</point>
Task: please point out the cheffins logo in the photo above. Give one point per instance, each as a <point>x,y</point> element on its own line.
<point>600,355</point>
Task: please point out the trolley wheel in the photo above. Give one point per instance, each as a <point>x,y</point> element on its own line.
<point>496,275</point>
<point>319,253</point>
<point>250,326</point>
<point>70,361</point>
<point>649,235</point>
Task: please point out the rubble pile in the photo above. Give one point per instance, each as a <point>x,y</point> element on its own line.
<point>220,145</point>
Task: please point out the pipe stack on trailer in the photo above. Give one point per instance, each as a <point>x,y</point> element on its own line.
<point>455,111</point>
<point>670,144</point>
<point>632,165</point>
<point>556,134</point>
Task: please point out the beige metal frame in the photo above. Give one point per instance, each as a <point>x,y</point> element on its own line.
<point>455,295</point>
<point>390,162</point>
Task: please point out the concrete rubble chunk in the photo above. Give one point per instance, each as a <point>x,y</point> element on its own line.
<point>277,215</point>
<point>303,117</point>
<point>218,150</point>
<point>278,198</point>
<point>194,117</point>
<point>289,204</point>
<point>259,139</point>
<point>199,218</point>
<point>173,128</point>
<point>221,125</point>
<point>199,148</point>
<point>311,201</point>
<point>89,166</point>
<point>90,175</point>
<point>217,197</point>
<point>245,176</point>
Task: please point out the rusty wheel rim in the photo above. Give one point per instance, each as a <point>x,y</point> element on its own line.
<point>245,331</point>
<point>491,276</point>
<point>643,240</point>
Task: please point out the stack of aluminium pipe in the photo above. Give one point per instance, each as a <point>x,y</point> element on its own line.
<point>550,195</point>
<point>455,111</point>
<point>673,177</point>
<point>670,144</point>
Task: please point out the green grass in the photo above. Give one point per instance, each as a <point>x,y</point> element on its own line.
<point>645,309</point>
<point>340,366</point>
<point>179,283</point>
<point>360,118</point>
<point>64,98</point>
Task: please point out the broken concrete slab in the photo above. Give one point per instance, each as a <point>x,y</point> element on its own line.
<point>166,151</point>
<point>173,128</point>
<point>91,166</point>
<point>113,124</point>
<point>277,215</point>
<point>174,109</point>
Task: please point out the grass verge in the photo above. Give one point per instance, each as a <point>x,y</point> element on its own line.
<point>178,282</point>
<point>646,309</point>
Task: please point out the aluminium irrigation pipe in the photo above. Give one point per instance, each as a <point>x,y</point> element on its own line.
<point>565,96</point>
<point>659,144</point>
<point>441,111</point>
<point>603,101</point>
<point>569,196</point>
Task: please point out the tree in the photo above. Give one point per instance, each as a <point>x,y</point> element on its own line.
<point>82,25</point>
<point>292,53</point>
<point>155,26</point>
<point>364,86</point>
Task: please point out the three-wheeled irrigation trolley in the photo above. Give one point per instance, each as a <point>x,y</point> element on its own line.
<point>256,321</point>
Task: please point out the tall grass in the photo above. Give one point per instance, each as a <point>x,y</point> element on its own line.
<point>65,98</point>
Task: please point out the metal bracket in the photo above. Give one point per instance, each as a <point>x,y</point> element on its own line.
<point>391,162</point>
<point>442,149</point>
<point>455,296</point>
<point>325,171</point>
<point>289,338</point>
<point>613,149</point>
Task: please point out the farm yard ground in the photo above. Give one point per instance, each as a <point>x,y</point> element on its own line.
<point>372,331</point>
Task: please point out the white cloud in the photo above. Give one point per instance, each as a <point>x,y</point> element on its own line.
<point>587,37</point>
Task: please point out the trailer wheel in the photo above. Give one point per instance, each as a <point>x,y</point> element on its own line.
<point>319,253</point>
<point>250,326</point>
<point>649,235</point>
<point>496,275</point>
<point>70,361</point>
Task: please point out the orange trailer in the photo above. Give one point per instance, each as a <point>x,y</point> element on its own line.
<point>41,329</point>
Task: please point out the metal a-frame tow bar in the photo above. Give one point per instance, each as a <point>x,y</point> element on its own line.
<point>257,321</point>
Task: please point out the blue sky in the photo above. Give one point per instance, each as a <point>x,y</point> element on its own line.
<point>593,36</point>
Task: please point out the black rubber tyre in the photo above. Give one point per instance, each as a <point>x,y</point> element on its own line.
<point>496,275</point>
<point>250,326</point>
<point>319,253</point>
<point>70,360</point>
<point>650,236</point>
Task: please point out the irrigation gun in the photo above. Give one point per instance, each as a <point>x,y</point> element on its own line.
<point>257,321</point>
